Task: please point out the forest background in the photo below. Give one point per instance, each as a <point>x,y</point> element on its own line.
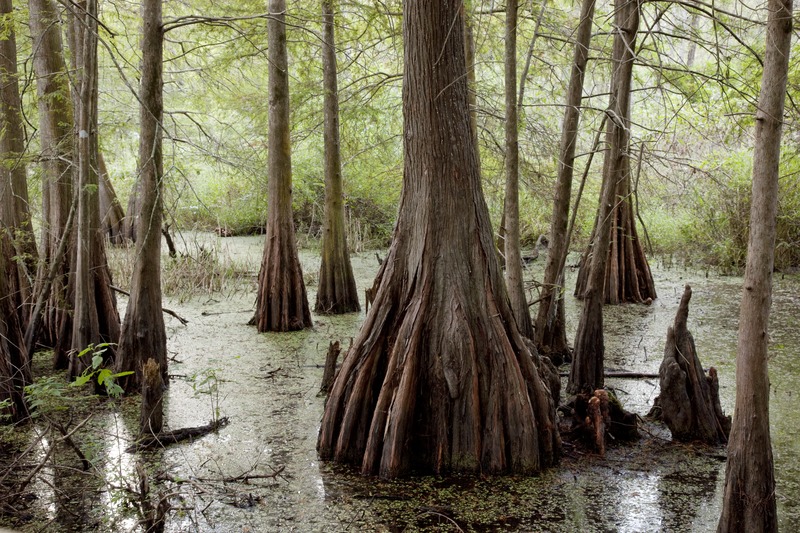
<point>695,87</point>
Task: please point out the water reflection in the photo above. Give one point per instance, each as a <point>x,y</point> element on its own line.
<point>268,386</point>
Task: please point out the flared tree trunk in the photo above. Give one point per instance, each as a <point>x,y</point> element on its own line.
<point>281,304</point>
<point>57,149</point>
<point>337,292</point>
<point>749,494</point>
<point>95,315</point>
<point>17,221</point>
<point>586,373</point>
<point>143,333</point>
<point>15,370</point>
<point>439,378</point>
<point>551,334</point>
<point>627,273</point>
<point>514,281</point>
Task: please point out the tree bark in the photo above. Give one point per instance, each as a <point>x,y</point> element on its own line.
<point>586,373</point>
<point>95,315</point>
<point>17,246</point>
<point>15,371</point>
<point>17,219</point>
<point>57,150</point>
<point>143,333</point>
<point>514,281</point>
<point>439,378</point>
<point>337,292</point>
<point>749,494</point>
<point>551,335</point>
<point>281,303</point>
<point>627,273</point>
<point>112,217</point>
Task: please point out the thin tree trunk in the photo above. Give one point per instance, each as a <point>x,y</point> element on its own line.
<point>281,303</point>
<point>337,292</point>
<point>514,281</point>
<point>586,372</point>
<point>57,148</point>
<point>749,494</point>
<point>551,335</point>
<point>143,332</point>
<point>439,378</point>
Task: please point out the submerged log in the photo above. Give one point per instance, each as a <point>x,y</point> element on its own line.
<point>689,400</point>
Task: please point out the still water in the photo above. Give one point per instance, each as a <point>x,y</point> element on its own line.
<point>268,385</point>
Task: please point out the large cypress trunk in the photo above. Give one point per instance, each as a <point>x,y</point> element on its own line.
<point>281,303</point>
<point>439,378</point>
<point>627,273</point>
<point>337,291</point>
<point>143,333</point>
<point>95,316</point>
<point>57,149</point>
<point>16,220</point>
<point>749,495</point>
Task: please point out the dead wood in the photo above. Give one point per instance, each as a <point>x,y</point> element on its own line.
<point>621,374</point>
<point>330,367</point>
<point>592,418</point>
<point>151,420</point>
<point>165,438</point>
<point>689,400</point>
<point>171,313</point>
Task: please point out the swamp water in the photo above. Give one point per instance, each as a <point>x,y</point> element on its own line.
<point>268,385</point>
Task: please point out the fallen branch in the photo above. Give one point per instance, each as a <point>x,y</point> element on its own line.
<point>165,438</point>
<point>164,309</point>
<point>621,374</point>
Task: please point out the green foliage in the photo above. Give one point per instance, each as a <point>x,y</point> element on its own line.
<point>96,371</point>
<point>720,226</point>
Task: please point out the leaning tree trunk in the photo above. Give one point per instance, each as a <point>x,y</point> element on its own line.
<point>586,372</point>
<point>551,334</point>
<point>95,315</point>
<point>281,304</point>
<point>143,333</point>
<point>12,166</point>
<point>749,495</point>
<point>439,378</point>
<point>688,400</point>
<point>628,277</point>
<point>514,281</point>
<point>112,217</point>
<point>57,147</point>
<point>337,291</point>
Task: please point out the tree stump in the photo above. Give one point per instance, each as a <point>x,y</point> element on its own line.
<point>334,349</point>
<point>689,400</point>
<point>151,420</point>
<point>594,415</point>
